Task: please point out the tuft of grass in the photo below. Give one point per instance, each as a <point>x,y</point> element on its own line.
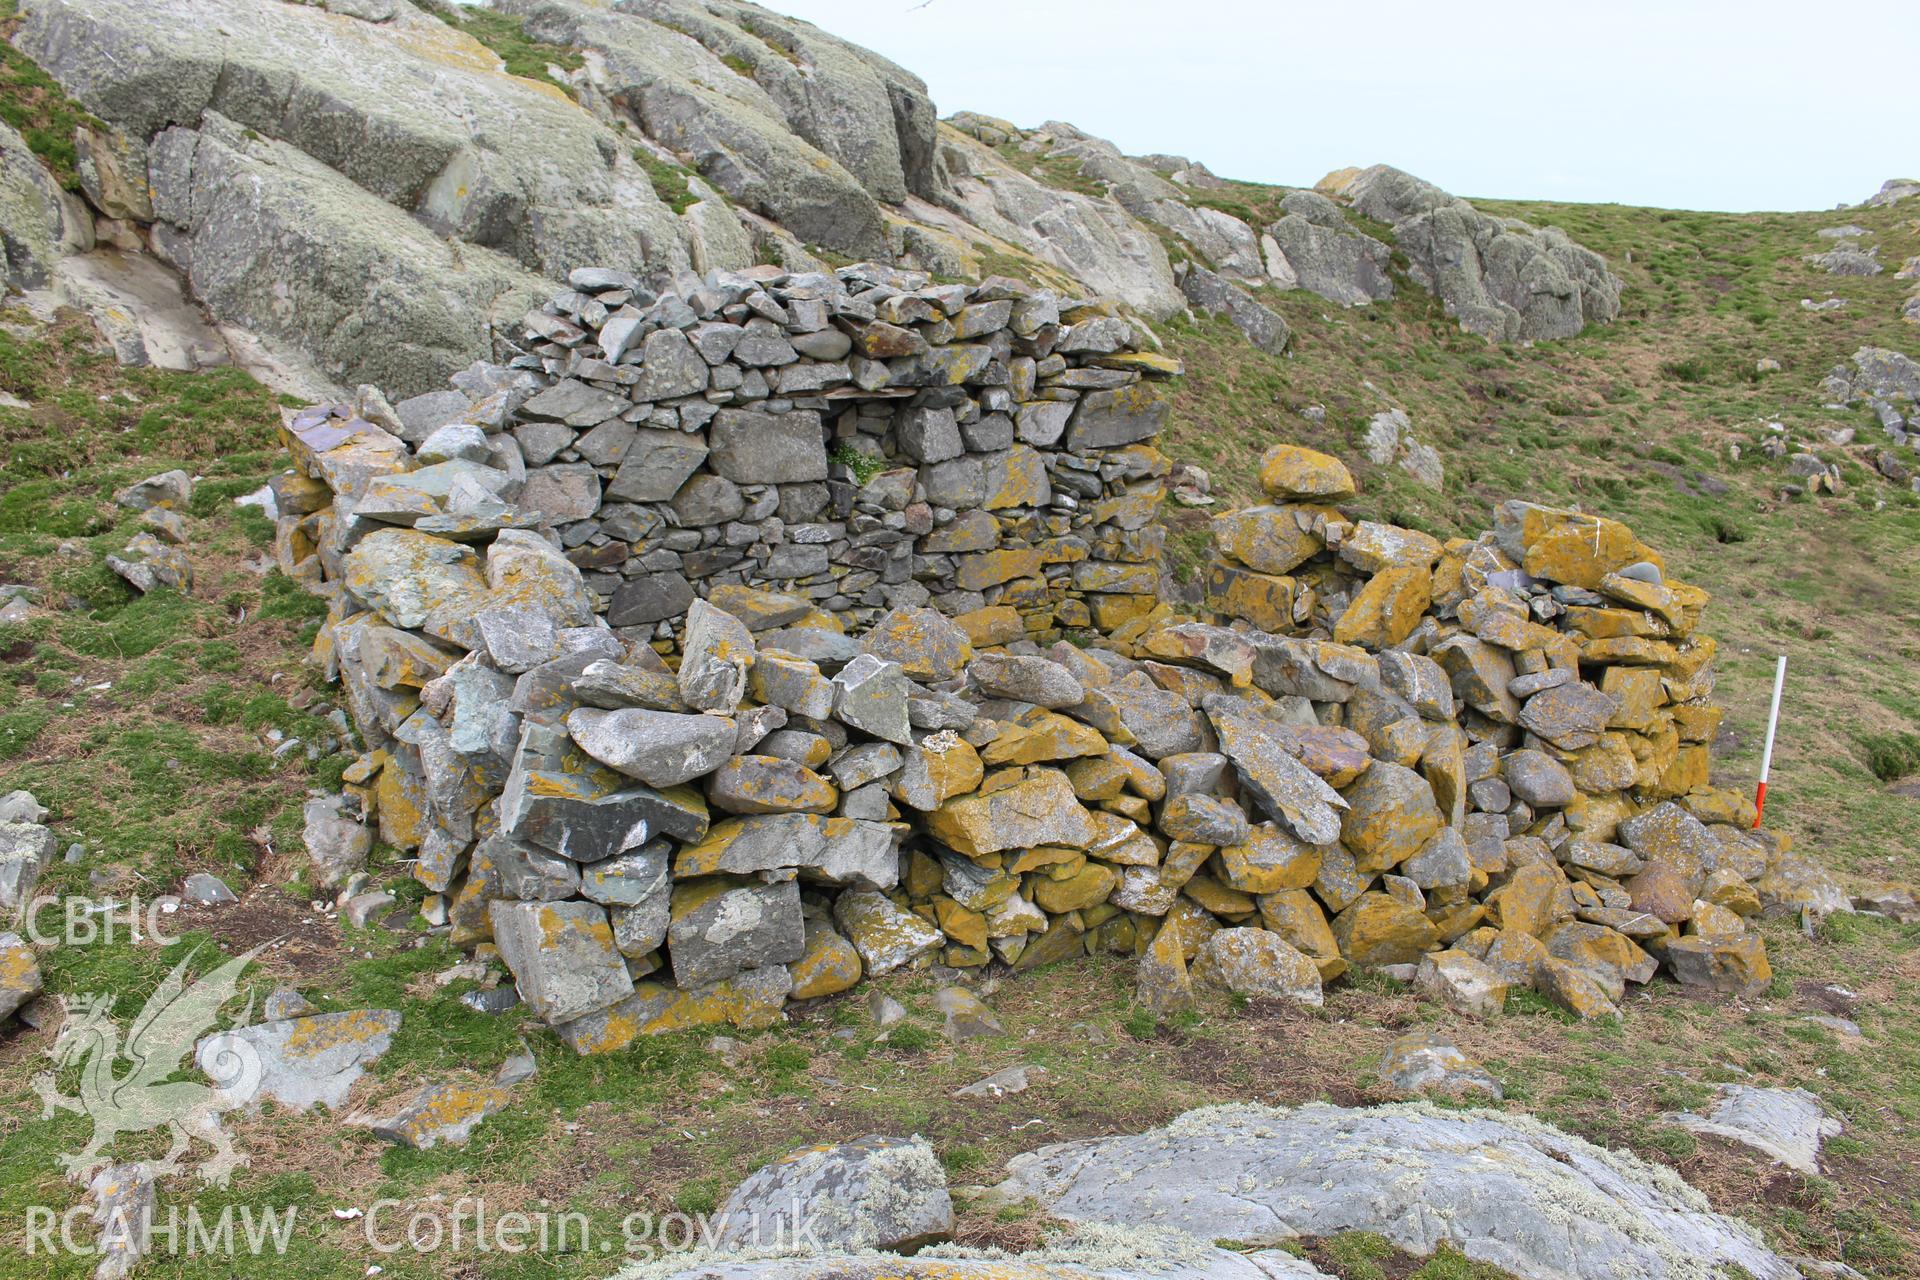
<point>1891,756</point>
<point>669,181</point>
<point>1691,369</point>
<point>506,35</point>
<point>865,466</point>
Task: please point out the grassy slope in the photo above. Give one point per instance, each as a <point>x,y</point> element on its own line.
<point>169,770</point>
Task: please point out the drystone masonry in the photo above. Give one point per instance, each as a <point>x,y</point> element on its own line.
<point>859,440</point>
<point>1481,761</point>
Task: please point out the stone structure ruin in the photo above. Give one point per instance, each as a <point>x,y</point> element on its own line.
<point>740,637</point>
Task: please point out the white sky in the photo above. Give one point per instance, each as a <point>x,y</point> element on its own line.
<point>1683,104</point>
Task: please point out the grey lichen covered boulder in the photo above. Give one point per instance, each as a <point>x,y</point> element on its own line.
<point>1501,278</point>
<point>873,1193</point>
<point>1503,1189</point>
<point>38,221</point>
<point>1314,248</point>
<point>274,241</point>
<point>297,1062</point>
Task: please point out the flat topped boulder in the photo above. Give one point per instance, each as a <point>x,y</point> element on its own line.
<point>1289,471</point>
<point>1499,1188</point>
<point>661,748</point>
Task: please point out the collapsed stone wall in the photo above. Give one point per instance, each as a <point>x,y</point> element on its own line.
<point>1483,760</point>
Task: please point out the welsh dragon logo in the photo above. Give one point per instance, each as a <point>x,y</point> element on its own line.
<point>158,1044</point>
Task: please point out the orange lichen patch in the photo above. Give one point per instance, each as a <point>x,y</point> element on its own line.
<point>313,1036</point>
<point>830,965</point>
<point>1575,548</point>
<point>1387,609</point>
<point>555,928</point>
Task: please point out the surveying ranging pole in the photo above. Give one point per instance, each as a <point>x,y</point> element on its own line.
<point>1766,754</point>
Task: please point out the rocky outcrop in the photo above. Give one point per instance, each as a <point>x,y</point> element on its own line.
<point>366,191</point>
<point>38,221</point>
<point>1888,382</point>
<point>1502,278</point>
<point>1785,1125</point>
<point>739,109</point>
<point>360,193</point>
<point>1892,191</point>
<point>272,241</point>
<point>1092,240</point>
<point>1315,248</point>
<point>1215,295</point>
<point>1087,1253</point>
<point>873,1193</point>
<point>1223,241</point>
<point>410,111</point>
<point>1503,1189</point>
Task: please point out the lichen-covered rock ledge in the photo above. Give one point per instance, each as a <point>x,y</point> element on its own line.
<point>1481,762</point>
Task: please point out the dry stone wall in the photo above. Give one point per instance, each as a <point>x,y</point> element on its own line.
<point>861,440</point>
<point>1482,762</point>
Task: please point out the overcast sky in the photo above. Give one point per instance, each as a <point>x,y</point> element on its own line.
<point>1677,103</point>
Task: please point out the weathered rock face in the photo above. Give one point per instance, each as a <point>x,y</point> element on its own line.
<point>771,140</point>
<point>409,190</point>
<point>1315,247</point>
<point>381,150</point>
<point>1498,1188</point>
<point>1503,279</point>
<point>1211,293</point>
<point>873,1193</point>
<point>38,221</point>
<point>410,111</point>
<point>1091,240</point>
<point>1785,1125</point>
<point>274,242</point>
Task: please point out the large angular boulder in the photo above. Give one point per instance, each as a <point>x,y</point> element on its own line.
<point>1313,248</point>
<point>290,261</point>
<point>26,848</point>
<point>298,1062</point>
<point>38,221</point>
<point>661,748</point>
<point>562,955</point>
<point>1256,962</point>
<point>721,927</point>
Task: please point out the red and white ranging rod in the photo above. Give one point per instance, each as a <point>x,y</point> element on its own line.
<point>1766,755</point>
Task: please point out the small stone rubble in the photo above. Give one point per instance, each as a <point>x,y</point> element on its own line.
<point>1479,764</point>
